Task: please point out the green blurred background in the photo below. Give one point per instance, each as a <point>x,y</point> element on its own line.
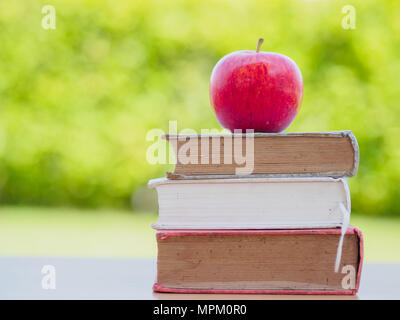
<point>77,102</point>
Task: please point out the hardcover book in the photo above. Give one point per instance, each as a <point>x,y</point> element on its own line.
<point>258,261</point>
<point>333,154</point>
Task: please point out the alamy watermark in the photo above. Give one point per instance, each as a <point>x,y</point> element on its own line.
<point>349,280</point>
<point>191,147</point>
<point>49,277</point>
<point>49,18</point>
<point>349,18</point>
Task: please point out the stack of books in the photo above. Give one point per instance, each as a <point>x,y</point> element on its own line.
<point>268,215</point>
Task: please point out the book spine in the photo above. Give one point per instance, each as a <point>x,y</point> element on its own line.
<point>334,174</point>
<point>163,234</point>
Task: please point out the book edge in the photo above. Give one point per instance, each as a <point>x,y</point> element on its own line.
<point>160,226</point>
<point>342,133</point>
<point>159,288</point>
<point>164,233</point>
<point>360,236</point>
<point>335,174</point>
<point>356,150</point>
<point>350,230</point>
<point>164,181</point>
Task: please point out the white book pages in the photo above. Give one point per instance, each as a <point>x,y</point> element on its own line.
<point>255,203</point>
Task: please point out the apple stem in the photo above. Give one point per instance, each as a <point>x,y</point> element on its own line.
<point>259,43</point>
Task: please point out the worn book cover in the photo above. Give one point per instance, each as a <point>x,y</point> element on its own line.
<point>258,261</point>
<point>333,154</point>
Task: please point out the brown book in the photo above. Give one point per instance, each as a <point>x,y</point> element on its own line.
<point>333,154</point>
<point>258,261</point>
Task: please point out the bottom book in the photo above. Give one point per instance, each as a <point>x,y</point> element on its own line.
<point>258,261</point>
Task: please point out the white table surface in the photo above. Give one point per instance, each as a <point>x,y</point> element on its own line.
<point>92,278</point>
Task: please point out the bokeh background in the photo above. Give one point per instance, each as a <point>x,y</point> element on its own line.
<point>77,102</point>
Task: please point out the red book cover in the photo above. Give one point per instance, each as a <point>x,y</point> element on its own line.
<point>215,261</point>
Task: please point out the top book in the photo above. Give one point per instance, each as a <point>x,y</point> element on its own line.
<point>311,154</point>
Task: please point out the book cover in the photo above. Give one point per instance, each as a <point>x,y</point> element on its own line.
<point>258,261</point>
<point>333,154</point>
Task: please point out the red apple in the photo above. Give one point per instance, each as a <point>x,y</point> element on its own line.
<point>256,90</point>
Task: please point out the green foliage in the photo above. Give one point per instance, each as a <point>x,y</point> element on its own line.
<point>76,102</point>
